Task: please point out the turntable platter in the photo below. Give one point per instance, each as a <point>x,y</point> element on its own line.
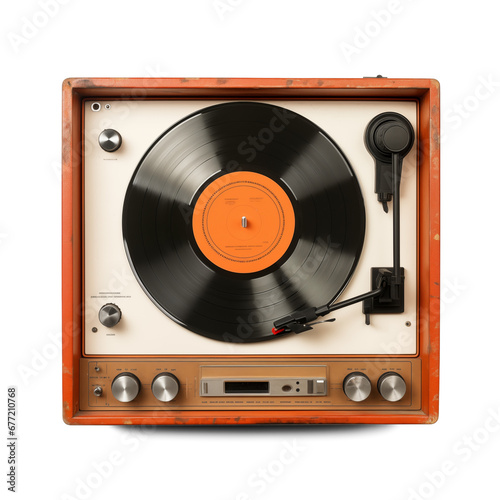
<point>239,214</point>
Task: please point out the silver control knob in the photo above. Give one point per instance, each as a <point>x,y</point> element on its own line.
<point>357,387</point>
<point>110,140</point>
<point>391,386</point>
<point>110,315</point>
<point>165,387</point>
<point>125,387</point>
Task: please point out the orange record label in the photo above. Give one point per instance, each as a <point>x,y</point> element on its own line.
<point>243,222</point>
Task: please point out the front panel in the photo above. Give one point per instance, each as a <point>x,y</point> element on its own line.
<point>232,384</point>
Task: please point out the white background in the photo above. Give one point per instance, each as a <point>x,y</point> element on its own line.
<point>455,42</point>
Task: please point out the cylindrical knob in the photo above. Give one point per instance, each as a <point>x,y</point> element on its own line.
<point>110,140</point>
<point>125,387</point>
<point>110,315</point>
<point>165,387</point>
<point>357,386</point>
<point>391,386</point>
<point>392,137</point>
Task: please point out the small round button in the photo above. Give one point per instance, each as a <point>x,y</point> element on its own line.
<point>357,387</point>
<point>125,387</point>
<point>110,315</point>
<point>110,140</point>
<point>165,387</point>
<point>391,386</point>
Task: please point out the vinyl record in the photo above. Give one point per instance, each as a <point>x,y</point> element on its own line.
<point>240,214</point>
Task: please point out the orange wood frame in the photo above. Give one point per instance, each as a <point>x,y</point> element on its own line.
<point>424,91</point>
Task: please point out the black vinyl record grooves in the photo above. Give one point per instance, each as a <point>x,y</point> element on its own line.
<point>288,178</point>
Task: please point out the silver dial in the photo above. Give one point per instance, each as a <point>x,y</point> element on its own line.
<point>125,387</point>
<point>391,386</point>
<point>110,140</point>
<point>357,386</point>
<point>110,315</point>
<point>165,387</point>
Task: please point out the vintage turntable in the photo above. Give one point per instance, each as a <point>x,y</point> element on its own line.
<point>249,251</point>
